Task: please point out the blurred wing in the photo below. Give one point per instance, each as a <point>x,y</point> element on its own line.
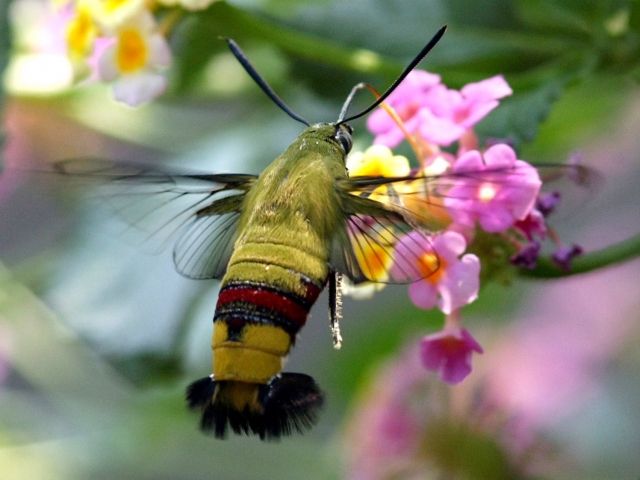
<point>206,244</point>
<point>390,221</point>
<point>428,201</point>
<point>197,212</point>
<point>377,244</point>
<point>575,185</point>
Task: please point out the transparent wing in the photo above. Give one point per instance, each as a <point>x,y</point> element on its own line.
<point>197,213</point>
<point>204,249</point>
<point>390,222</point>
<point>430,201</point>
<point>385,249</point>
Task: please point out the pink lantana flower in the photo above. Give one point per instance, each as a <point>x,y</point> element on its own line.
<point>135,60</point>
<point>449,282</point>
<point>434,112</point>
<point>448,352</point>
<point>533,225</point>
<point>495,189</point>
<point>386,432</point>
<point>407,100</point>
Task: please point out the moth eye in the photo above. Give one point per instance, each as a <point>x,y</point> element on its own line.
<point>344,137</point>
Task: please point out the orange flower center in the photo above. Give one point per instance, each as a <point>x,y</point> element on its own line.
<point>432,267</point>
<point>132,51</point>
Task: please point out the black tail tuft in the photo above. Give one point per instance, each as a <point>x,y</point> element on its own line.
<point>200,392</point>
<point>289,403</point>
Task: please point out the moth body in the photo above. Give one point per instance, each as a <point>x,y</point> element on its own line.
<point>279,266</point>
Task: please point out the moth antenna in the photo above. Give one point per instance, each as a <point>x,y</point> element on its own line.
<point>347,102</point>
<point>417,59</point>
<point>335,308</point>
<point>262,83</point>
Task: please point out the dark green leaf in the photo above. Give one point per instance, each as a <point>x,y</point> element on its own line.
<point>519,117</point>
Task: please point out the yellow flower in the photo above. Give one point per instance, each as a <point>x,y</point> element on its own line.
<point>111,14</point>
<point>81,32</point>
<point>379,161</point>
<point>132,51</point>
<point>374,259</point>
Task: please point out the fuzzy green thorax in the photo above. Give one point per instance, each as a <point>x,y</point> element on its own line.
<point>291,214</point>
<point>296,193</point>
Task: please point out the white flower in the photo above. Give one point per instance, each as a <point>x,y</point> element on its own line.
<point>134,61</point>
<point>361,291</point>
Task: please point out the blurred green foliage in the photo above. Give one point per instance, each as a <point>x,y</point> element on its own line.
<point>98,385</point>
<point>5,49</point>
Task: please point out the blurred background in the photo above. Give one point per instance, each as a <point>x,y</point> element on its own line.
<point>98,339</point>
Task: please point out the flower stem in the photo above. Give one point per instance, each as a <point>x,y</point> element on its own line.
<point>616,253</point>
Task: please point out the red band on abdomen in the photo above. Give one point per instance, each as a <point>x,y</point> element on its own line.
<point>275,301</point>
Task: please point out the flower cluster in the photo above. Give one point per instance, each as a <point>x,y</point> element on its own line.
<point>539,373</point>
<point>122,42</point>
<point>407,426</point>
<point>465,193</point>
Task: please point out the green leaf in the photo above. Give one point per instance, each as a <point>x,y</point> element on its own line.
<point>561,16</point>
<point>574,121</point>
<point>194,45</point>
<point>518,118</point>
<point>222,19</point>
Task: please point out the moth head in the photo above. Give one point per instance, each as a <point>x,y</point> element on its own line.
<point>343,135</point>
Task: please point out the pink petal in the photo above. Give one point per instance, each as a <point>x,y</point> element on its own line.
<point>423,295</point>
<point>461,285</point>
<point>431,353</point>
<point>474,113</point>
<point>450,245</point>
<point>439,130</point>
<point>489,89</point>
<point>391,138</point>
<point>379,121</point>
<point>456,370</point>
<point>496,219</point>
<point>499,156</point>
<point>470,161</point>
<point>106,60</point>
<point>471,342</point>
<point>516,184</point>
<point>442,101</point>
<point>407,251</point>
<point>449,353</point>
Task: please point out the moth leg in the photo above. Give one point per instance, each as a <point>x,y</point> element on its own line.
<point>335,308</point>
